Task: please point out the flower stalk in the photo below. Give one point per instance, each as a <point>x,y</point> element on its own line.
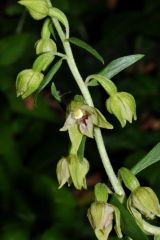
<point>86,94</point>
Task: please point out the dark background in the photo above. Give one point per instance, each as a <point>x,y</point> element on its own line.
<point>31,206</point>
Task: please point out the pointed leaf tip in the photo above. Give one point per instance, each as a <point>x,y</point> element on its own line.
<point>78,42</point>
<point>119,64</point>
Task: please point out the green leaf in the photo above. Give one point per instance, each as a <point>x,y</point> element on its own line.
<point>128,224</point>
<point>81,148</point>
<point>87,47</point>
<point>55,92</point>
<point>119,65</point>
<point>152,157</point>
<point>49,77</point>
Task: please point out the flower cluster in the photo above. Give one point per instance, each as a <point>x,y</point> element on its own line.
<point>142,202</point>
<point>29,80</point>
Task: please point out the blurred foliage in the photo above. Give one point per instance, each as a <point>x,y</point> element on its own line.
<point>31,206</point>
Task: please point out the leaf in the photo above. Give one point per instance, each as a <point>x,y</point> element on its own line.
<point>87,47</point>
<point>118,65</point>
<point>55,92</point>
<point>81,148</point>
<point>49,77</point>
<point>128,224</point>
<point>152,157</point>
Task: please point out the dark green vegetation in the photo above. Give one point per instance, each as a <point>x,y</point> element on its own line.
<point>31,206</point>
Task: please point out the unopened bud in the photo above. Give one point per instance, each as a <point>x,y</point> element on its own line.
<point>45,45</point>
<point>123,106</point>
<point>28,82</point>
<point>37,8</point>
<point>62,171</point>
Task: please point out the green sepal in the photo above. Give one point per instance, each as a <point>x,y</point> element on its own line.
<point>101,192</point>
<point>76,103</point>
<point>78,170</point>
<point>106,83</point>
<point>101,120</point>
<point>81,149</point>
<point>75,137</point>
<point>62,171</point>
<point>117,226</point>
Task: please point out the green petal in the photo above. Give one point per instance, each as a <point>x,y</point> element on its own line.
<point>117,220</point>
<point>100,121</point>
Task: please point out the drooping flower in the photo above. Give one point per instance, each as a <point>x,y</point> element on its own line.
<point>101,214</point>
<point>38,9</point>
<point>72,170</point>
<point>145,201</point>
<point>123,106</point>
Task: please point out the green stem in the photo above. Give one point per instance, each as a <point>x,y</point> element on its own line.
<point>85,92</point>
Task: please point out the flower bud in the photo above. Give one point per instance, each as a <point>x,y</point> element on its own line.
<point>43,61</point>
<point>62,171</point>
<point>123,106</point>
<point>130,181</point>
<point>37,8</point>
<point>45,45</point>
<point>100,216</point>
<point>145,201</point>
<point>28,82</point>
<point>78,170</point>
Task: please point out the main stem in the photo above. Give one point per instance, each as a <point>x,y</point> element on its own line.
<point>86,94</point>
